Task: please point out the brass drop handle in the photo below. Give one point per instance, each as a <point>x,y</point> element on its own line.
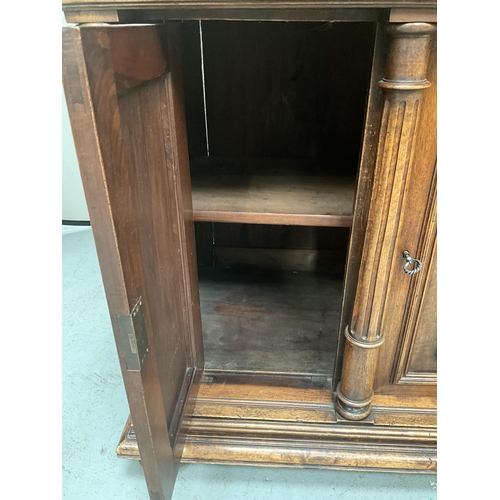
<point>409,261</point>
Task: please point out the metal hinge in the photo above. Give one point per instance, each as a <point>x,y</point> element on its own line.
<point>134,339</point>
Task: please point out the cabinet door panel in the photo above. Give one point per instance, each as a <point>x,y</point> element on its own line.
<point>124,94</point>
<point>416,357</point>
<point>409,321</point>
<point>423,357</point>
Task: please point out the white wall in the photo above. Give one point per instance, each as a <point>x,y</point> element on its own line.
<point>74,207</point>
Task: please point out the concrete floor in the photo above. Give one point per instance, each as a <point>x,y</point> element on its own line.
<point>95,409</point>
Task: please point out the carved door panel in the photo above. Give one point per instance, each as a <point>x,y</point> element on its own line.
<point>416,361</point>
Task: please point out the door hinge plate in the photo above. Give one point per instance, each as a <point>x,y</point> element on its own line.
<point>134,340</point>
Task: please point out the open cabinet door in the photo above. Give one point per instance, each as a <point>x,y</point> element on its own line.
<point>124,93</point>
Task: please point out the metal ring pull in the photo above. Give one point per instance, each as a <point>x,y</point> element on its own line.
<point>409,261</point>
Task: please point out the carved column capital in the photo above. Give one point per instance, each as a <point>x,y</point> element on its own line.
<point>406,66</point>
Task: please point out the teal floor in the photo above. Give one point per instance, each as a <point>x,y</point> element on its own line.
<point>95,409</point>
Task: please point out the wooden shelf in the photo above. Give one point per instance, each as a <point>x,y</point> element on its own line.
<point>270,191</point>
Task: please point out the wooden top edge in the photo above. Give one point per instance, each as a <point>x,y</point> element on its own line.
<point>94,5</point>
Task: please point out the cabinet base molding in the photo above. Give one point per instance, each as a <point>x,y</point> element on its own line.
<point>291,422</point>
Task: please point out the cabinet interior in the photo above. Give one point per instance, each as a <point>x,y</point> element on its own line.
<point>274,115</point>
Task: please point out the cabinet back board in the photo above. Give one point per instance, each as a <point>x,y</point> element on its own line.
<point>270,93</point>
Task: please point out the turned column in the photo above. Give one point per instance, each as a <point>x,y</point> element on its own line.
<point>404,81</point>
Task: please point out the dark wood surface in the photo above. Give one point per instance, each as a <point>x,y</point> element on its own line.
<point>92,104</point>
<point>270,191</point>
<point>147,157</point>
<point>270,94</point>
<point>422,362</point>
<point>404,83</point>
<point>159,244</point>
<point>253,419</point>
<point>269,320</point>
<point>296,248</point>
<point>344,3</point>
<point>406,15</point>
<point>327,261</point>
<point>329,12</point>
<point>155,139</point>
<point>415,360</point>
<point>204,234</point>
<point>417,233</point>
<point>193,88</point>
<point>137,56</point>
<point>136,178</point>
<point>181,180</point>
<point>364,184</point>
<point>280,237</point>
<point>90,10</point>
<point>249,419</point>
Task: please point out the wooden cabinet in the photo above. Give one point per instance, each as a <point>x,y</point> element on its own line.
<point>256,191</point>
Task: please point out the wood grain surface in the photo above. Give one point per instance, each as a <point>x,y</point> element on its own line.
<point>417,234</point>
<point>269,92</point>
<point>285,111</point>
<point>404,84</point>
<point>269,320</point>
<point>93,109</point>
<point>264,419</point>
<point>270,191</point>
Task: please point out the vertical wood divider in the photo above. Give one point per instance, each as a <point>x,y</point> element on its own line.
<point>403,83</point>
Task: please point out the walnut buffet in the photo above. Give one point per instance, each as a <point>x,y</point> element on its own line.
<point>261,182</point>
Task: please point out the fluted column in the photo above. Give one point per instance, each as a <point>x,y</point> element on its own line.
<point>404,81</point>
